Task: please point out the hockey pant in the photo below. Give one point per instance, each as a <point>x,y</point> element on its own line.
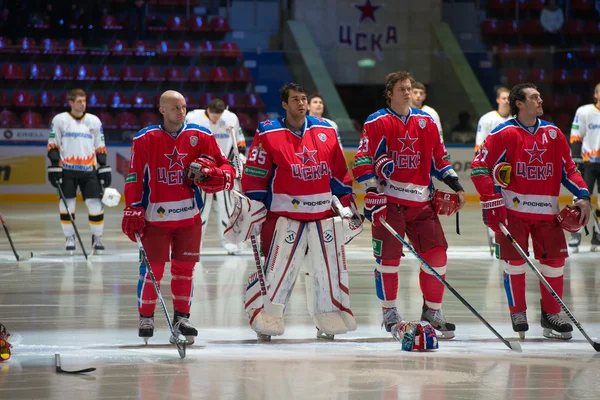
<point>95,216</point>
<point>223,203</point>
<point>321,245</point>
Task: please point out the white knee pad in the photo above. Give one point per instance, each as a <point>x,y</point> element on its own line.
<point>327,292</point>
<point>94,206</point>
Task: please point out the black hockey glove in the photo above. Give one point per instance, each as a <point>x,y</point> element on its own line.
<point>104,176</point>
<point>55,174</point>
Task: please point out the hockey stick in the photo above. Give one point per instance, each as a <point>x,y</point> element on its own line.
<point>490,241</point>
<point>179,340</point>
<point>595,345</point>
<point>64,200</point>
<point>516,346</point>
<point>59,369</point>
<point>19,258</point>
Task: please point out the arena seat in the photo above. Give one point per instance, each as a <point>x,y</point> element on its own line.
<point>153,74</point>
<point>140,100</point>
<point>107,73</point>
<point>253,100</point>
<point>127,120</point>
<point>22,98</point>
<point>107,120</point>
<point>175,74</point>
<point>148,118</point>
<point>219,75</point>
<point>241,74</point>
<point>197,23</point>
<point>8,119</point>
<point>12,72</point>
<point>117,100</point>
<point>128,73</point>
<point>32,119</point>
<point>84,73</point>
<point>46,98</point>
<point>197,74</point>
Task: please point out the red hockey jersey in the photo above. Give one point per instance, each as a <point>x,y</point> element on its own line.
<point>296,173</point>
<point>541,161</point>
<point>414,143</point>
<point>156,179</point>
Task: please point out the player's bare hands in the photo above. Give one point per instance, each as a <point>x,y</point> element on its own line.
<point>586,209</point>
<point>461,199</point>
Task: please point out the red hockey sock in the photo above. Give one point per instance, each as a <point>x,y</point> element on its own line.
<point>514,284</point>
<point>145,291</point>
<point>431,287</point>
<point>182,285</point>
<point>552,270</point>
<point>386,281</point>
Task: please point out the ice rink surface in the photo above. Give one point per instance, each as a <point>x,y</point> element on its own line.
<point>88,314</point>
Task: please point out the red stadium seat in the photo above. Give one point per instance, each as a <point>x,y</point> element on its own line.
<point>50,46</point>
<point>589,50</point>
<point>155,24</point>
<point>205,99</point>
<point>175,74</point>
<point>95,100</point>
<point>532,27</point>
<point>63,99</point>
<point>232,101</point>
<point>581,75</point>
<point>163,48</point>
<point>8,119</point>
<point>4,100</point>
<point>187,49</point>
<point>21,98</point>
<point>32,119</point>
<point>12,72</point>
<point>74,47</point>
<point>574,27</point>
<point>117,100</point>
<point>207,49</point>
<point>197,74</point>
<point>220,24</point>
<point>219,75</point>
<point>540,75</point>
<point>119,48</point>
<point>563,121</point>
<point>561,76</point>
<point>129,74</point>
<point>246,122</point>
<point>27,46</point>
<point>535,5</point>
<point>50,116</point>
<point>592,27</point>
<point>142,48</point>
<point>148,118</point>
<point>198,23</point>
<point>573,100</point>
<point>61,73</point>
<point>582,5</point>
<point>84,73</point>
<point>127,120</point>
<point>110,22</point>
<point>141,100</point>
<point>6,45</point>
<point>190,102</point>
<point>252,100</point>
<point>47,99</point>
<point>156,101</point>
<point>241,74</point>
<point>106,73</point>
<point>230,50</point>
<point>490,27</point>
<point>37,72</point>
<point>176,24</point>
<point>510,28</point>
<point>152,74</point>
<point>501,4</point>
<point>107,120</point>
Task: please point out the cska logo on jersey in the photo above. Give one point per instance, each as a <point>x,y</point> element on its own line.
<point>176,177</point>
<point>410,161</point>
<point>311,172</point>
<point>535,172</point>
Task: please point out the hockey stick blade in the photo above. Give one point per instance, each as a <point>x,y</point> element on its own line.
<point>511,345</point>
<point>25,257</point>
<point>59,370</point>
<point>180,346</point>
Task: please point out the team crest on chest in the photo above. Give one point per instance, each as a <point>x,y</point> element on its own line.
<point>552,133</point>
<point>194,141</point>
<point>422,123</point>
<point>322,137</point>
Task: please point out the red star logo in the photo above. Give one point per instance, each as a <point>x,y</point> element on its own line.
<point>535,153</point>
<point>175,158</point>
<point>307,155</point>
<point>267,122</point>
<point>408,143</point>
<point>367,11</point>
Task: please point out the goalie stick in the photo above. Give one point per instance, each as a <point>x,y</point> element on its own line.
<point>516,346</point>
<point>59,369</point>
<point>595,345</point>
<point>178,339</point>
<point>12,246</point>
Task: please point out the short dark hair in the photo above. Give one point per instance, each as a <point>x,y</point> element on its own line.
<point>419,86</point>
<point>287,88</point>
<point>216,106</point>
<point>518,93</point>
<point>75,93</point>
<point>315,96</point>
<point>394,77</point>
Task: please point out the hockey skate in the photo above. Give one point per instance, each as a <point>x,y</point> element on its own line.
<point>439,322</point>
<point>390,322</point>
<point>323,335</point>
<point>183,326</point>
<point>574,242</point>
<point>595,240</point>
<point>146,328</point>
<point>97,244</point>
<point>555,327</point>
<point>261,337</point>
<point>70,243</point>
<point>519,323</point>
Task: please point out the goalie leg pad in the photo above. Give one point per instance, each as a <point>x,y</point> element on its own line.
<point>327,289</point>
<point>283,262</point>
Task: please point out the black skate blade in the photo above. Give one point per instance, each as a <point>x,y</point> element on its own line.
<point>59,370</point>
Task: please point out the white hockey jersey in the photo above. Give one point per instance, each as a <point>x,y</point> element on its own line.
<point>435,116</point>
<point>586,130</point>
<point>486,124</point>
<point>77,140</point>
<point>220,129</point>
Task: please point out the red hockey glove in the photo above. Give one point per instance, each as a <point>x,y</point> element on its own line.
<point>209,177</point>
<point>384,166</point>
<point>494,211</point>
<point>444,203</point>
<point>348,200</point>
<point>375,207</point>
<point>569,219</point>
<point>133,221</point>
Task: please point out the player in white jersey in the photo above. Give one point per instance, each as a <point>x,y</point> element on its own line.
<point>419,95</point>
<point>316,107</point>
<point>585,150</point>
<point>486,124</point>
<point>77,156</point>
<point>219,121</point>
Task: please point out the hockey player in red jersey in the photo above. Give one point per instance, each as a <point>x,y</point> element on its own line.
<point>294,167</point>
<point>162,205</point>
<point>400,149</point>
<point>518,171</point>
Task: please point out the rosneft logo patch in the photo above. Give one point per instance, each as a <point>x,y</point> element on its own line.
<point>161,212</point>
<point>295,203</point>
